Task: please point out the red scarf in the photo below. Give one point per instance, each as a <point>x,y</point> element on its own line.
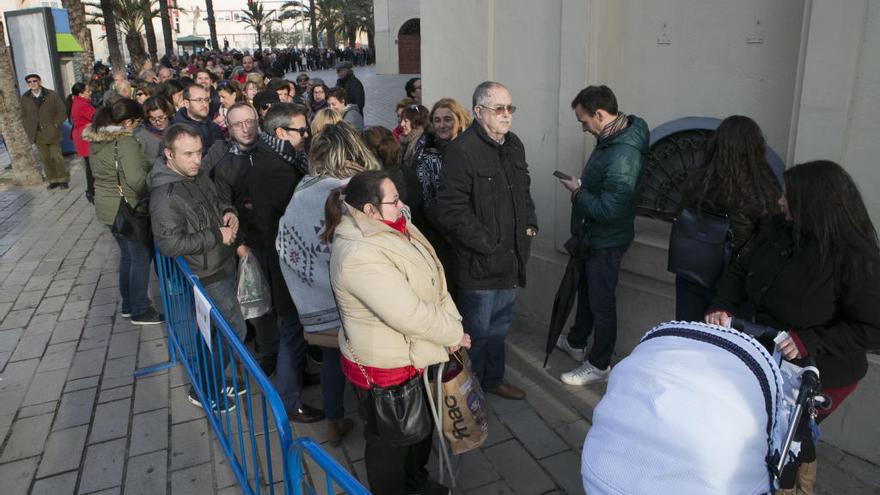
<point>398,225</point>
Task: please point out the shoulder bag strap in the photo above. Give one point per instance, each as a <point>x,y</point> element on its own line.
<point>354,356</point>
<point>116,164</point>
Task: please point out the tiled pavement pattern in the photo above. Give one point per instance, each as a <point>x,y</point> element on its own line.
<point>73,419</point>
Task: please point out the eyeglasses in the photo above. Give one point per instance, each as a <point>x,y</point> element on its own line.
<point>303,80</point>
<point>158,120</point>
<point>140,93</point>
<point>31,81</point>
<point>396,202</point>
<point>499,110</point>
<point>301,130</point>
<point>200,100</point>
<point>244,124</point>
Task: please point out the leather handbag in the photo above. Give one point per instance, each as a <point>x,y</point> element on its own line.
<point>397,414</point>
<point>131,222</point>
<point>700,246</point>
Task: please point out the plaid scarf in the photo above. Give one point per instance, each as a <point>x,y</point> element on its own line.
<point>285,150</point>
<point>613,127</point>
<point>235,149</point>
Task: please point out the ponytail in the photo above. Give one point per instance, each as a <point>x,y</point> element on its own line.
<point>332,215</point>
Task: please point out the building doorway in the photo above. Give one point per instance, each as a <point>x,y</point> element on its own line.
<point>409,47</point>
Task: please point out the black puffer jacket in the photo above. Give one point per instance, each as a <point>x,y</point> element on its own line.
<point>186,216</point>
<point>834,311</point>
<point>484,208</point>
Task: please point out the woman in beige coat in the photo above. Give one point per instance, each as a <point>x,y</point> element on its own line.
<point>397,316</point>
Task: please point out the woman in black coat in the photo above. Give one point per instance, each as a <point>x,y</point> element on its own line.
<point>735,181</point>
<point>816,274</point>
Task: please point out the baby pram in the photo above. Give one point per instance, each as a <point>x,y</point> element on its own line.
<point>697,409</point>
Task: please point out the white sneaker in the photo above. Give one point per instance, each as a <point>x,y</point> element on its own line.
<point>585,374</point>
<point>578,355</point>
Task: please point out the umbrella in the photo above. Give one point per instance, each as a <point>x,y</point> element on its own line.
<point>578,247</point>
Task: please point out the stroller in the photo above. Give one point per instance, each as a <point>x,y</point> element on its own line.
<point>698,409</point>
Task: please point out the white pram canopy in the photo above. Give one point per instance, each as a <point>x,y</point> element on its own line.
<point>695,409</point>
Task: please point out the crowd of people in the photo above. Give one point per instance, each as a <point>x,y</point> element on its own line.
<point>388,249</point>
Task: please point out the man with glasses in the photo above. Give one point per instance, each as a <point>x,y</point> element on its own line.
<point>486,210</point>
<point>302,89</point>
<point>42,112</point>
<point>279,163</point>
<point>229,163</point>
<point>195,112</point>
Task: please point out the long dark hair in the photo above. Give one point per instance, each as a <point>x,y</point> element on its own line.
<point>364,188</point>
<point>827,210</point>
<point>736,172</point>
<point>117,112</point>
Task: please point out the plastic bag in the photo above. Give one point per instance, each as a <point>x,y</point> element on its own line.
<point>465,424</point>
<point>253,293</point>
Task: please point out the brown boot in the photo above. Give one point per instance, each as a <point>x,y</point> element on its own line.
<point>806,478</point>
<point>338,428</point>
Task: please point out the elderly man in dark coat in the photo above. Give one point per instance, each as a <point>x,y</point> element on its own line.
<point>42,112</point>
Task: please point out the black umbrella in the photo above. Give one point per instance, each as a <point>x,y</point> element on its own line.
<point>578,247</point>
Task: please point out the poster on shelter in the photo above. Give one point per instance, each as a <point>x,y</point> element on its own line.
<point>29,39</point>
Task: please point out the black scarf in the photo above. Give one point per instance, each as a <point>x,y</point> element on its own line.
<point>285,150</point>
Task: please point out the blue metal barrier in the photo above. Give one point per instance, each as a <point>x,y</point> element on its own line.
<point>334,473</point>
<point>243,409</point>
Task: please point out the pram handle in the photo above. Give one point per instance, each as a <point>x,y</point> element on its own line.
<point>754,329</point>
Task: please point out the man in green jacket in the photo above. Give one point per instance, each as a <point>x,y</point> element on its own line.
<point>603,203</point>
<point>42,112</point>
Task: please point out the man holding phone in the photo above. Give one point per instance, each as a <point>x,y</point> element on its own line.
<point>603,202</point>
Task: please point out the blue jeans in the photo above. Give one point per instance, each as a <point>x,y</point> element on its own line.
<point>597,305</point>
<point>291,361</point>
<point>134,275</point>
<point>332,383</point>
<point>223,294</point>
<point>486,316</point>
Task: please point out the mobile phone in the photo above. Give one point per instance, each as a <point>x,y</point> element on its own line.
<point>561,175</point>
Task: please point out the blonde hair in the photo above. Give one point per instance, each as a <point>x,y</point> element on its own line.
<point>338,151</point>
<point>324,117</point>
<point>462,116</point>
<point>257,79</point>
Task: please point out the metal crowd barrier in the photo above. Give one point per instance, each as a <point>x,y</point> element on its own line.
<point>250,422</point>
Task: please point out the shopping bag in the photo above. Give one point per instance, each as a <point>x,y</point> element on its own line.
<point>253,291</point>
<point>462,405</point>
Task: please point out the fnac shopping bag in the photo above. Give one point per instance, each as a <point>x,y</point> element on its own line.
<point>462,405</point>
<point>253,291</point>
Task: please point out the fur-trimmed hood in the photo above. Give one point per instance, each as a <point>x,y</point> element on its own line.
<point>104,134</point>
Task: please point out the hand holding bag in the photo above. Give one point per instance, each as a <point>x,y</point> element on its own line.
<point>700,246</point>
<point>131,222</point>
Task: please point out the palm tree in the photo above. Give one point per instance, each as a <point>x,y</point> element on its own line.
<point>24,166</point>
<point>257,18</point>
<point>166,27</point>
<point>76,12</point>
<point>109,22</point>
<point>357,15</point>
<point>149,31</point>
<point>132,16</point>
<point>312,22</point>
<point>212,24</point>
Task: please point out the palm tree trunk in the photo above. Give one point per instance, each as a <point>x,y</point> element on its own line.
<point>116,59</point>
<point>135,45</point>
<point>76,12</point>
<point>312,25</point>
<point>24,166</point>
<point>150,32</point>
<point>260,39</point>
<point>212,24</point>
<point>166,27</point>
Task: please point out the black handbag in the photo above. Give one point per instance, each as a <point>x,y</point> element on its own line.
<point>700,246</point>
<point>398,414</point>
<point>131,222</point>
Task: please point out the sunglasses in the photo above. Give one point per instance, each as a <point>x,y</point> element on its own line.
<point>500,109</point>
<point>301,130</point>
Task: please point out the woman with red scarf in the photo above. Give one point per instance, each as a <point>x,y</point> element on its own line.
<point>397,317</point>
<point>81,112</point>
